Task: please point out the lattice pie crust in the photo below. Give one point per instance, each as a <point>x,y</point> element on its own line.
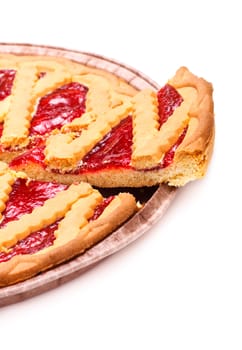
<point>185,137</point>
<point>109,101</point>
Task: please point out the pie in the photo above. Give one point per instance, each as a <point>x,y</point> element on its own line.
<point>67,129</point>
<point>65,122</point>
<point>44,223</point>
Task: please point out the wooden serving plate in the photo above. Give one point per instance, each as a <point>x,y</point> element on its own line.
<point>155,199</point>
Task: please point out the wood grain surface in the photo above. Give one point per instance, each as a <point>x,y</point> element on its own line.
<point>156,199</point>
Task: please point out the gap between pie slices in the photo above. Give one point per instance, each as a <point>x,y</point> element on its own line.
<point>75,123</point>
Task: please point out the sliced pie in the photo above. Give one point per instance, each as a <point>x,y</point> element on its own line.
<point>44,223</point>
<point>65,122</point>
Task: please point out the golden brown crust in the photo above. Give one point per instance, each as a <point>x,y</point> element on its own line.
<point>201,124</point>
<point>188,168</point>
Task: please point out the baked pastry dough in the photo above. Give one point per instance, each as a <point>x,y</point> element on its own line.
<point>64,127</point>
<point>169,133</point>
<point>44,224</point>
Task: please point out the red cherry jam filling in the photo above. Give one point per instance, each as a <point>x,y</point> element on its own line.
<point>100,208</point>
<point>115,149</point>
<point>6,82</point>
<point>55,109</point>
<point>168,100</point>
<point>59,108</point>
<point>169,156</point>
<point>25,196</point>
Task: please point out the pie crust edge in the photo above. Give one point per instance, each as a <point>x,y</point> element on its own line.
<point>22,267</point>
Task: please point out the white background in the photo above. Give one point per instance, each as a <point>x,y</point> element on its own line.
<point>179,286</point>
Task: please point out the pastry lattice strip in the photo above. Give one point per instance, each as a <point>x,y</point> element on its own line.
<point>15,131</point>
<point>52,210</point>
<point>55,75</point>
<point>76,218</point>
<point>149,142</point>
<point>62,151</point>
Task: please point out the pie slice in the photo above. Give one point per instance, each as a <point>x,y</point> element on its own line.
<point>46,223</point>
<point>66,122</point>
